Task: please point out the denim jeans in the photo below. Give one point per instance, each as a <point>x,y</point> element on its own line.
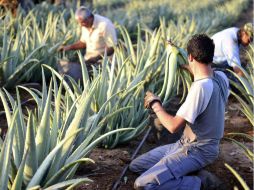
<point>168,167</point>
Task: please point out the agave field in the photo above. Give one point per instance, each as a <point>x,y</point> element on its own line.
<point>52,133</point>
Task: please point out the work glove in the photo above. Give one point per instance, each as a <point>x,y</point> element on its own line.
<point>150,99</point>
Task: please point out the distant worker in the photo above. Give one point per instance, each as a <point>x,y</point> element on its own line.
<point>227,44</point>
<point>98,35</point>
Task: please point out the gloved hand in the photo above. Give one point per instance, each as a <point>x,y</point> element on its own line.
<point>150,99</point>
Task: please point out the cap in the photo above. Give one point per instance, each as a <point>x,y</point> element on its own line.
<point>248,28</point>
<point>83,12</point>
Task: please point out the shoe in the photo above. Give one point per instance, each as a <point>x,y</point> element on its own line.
<point>209,181</point>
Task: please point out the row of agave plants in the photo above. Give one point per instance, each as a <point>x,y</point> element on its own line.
<point>28,41</point>
<point>136,12</point>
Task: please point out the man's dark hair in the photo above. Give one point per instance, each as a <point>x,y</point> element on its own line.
<point>201,47</point>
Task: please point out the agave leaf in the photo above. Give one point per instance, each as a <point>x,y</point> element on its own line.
<point>6,108</point>
<point>36,98</point>
<point>23,66</point>
<point>249,137</point>
<point>68,183</point>
<point>89,148</point>
<point>17,184</point>
<point>5,156</point>
<point>10,98</point>
<point>61,78</point>
<point>31,163</point>
<point>77,90</point>
<point>43,131</point>
<point>57,122</point>
<point>78,121</point>
<point>19,136</point>
<point>64,169</point>
<point>37,177</point>
<point>239,178</point>
<point>248,153</point>
<point>85,75</point>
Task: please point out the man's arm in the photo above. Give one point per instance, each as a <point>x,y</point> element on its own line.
<point>76,46</point>
<point>231,51</point>
<point>171,123</point>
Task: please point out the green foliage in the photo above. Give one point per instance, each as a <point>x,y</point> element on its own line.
<point>45,147</point>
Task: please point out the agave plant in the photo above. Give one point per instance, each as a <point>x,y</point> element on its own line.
<point>246,88</point>
<point>45,148</point>
<point>27,42</point>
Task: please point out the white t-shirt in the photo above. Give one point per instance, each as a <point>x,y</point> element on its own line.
<point>226,47</point>
<point>198,98</point>
<point>101,35</point>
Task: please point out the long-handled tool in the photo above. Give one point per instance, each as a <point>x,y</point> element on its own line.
<point>116,184</point>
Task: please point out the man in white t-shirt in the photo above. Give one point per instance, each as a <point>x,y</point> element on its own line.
<point>227,44</point>
<point>170,166</point>
<point>98,36</point>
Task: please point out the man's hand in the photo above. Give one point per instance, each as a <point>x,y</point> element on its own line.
<point>76,46</point>
<point>150,99</point>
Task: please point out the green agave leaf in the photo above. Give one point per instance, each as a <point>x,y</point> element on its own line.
<point>43,131</point>
<point>31,163</point>
<point>78,121</point>
<point>249,137</point>
<point>36,98</point>
<point>61,78</point>
<point>6,108</point>
<point>64,169</point>
<point>239,178</point>
<point>249,153</point>
<point>5,156</point>
<point>36,179</point>
<point>68,183</point>
<point>17,184</point>
<point>21,68</point>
